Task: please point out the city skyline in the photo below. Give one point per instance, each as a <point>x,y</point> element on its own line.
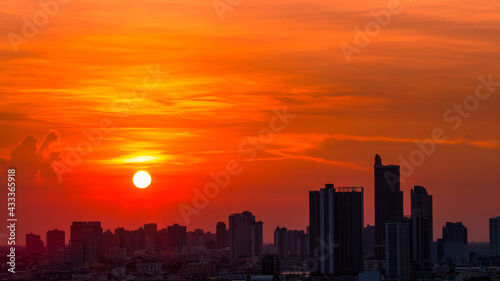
<point>178,92</point>
<point>191,140</point>
<point>268,233</point>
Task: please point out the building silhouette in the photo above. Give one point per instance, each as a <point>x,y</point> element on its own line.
<point>176,237</point>
<point>55,239</point>
<point>397,251</point>
<point>270,261</point>
<point>453,245</point>
<point>336,224</point>
<point>150,234</point>
<point>34,243</point>
<point>245,235</point>
<point>281,243</point>
<point>221,230</point>
<point>85,241</point>
<point>495,237</point>
<point>369,241</point>
<point>388,200</point>
<point>421,225</point>
<point>257,238</point>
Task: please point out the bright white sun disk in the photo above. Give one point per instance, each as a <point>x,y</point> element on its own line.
<point>142,179</point>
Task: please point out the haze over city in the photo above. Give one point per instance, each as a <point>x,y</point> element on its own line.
<point>205,89</point>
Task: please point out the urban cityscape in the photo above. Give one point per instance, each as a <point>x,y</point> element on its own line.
<point>336,245</point>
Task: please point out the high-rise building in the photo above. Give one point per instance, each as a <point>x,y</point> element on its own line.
<point>455,233</point>
<point>245,235</point>
<point>85,241</point>
<point>453,245</point>
<point>281,242</point>
<point>55,239</point>
<point>176,237</point>
<point>150,233</point>
<point>221,230</point>
<point>314,230</point>
<point>421,225</point>
<point>34,243</point>
<point>257,239</point>
<point>336,224</point>
<point>369,241</point>
<point>290,243</point>
<point>397,249</point>
<point>388,200</point>
<point>495,237</point>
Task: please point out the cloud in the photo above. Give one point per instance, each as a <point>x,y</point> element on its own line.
<point>32,159</point>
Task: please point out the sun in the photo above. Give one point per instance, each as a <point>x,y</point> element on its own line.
<point>142,179</point>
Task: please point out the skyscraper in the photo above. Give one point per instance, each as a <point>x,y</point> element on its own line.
<point>369,241</point>
<point>314,223</point>
<point>397,249</point>
<point>176,238</point>
<point>281,242</point>
<point>336,223</point>
<point>245,235</point>
<point>495,236</point>
<point>453,245</point>
<point>34,243</point>
<point>257,239</point>
<point>85,241</point>
<point>455,233</point>
<point>221,235</point>
<point>55,239</point>
<point>150,231</point>
<point>388,200</point>
<point>421,225</point>
<point>290,243</point>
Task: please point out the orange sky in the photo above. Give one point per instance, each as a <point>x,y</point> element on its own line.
<point>224,80</point>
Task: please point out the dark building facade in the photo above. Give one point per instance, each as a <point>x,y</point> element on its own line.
<point>338,230</point>
<point>85,241</point>
<point>495,237</point>
<point>453,245</point>
<point>34,243</point>
<point>397,258</point>
<point>245,236</point>
<point>421,225</point>
<point>455,233</point>
<point>55,239</point>
<point>176,237</point>
<point>388,200</point>
<point>221,230</point>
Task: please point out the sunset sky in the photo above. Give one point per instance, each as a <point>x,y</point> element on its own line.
<point>216,85</point>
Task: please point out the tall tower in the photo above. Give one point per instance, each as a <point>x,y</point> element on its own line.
<point>55,240</point>
<point>244,235</point>
<point>397,250</point>
<point>221,235</point>
<point>34,243</point>
<point>495,236</point>
<point>281,242</point>
<point>453,245</point>
<point>176,238</point>
<point>150,233</point>
<point>388,200</point>
<point>421,225</point>
<point>257,239</point>
<point>85,241</point>
<point>338,232</point>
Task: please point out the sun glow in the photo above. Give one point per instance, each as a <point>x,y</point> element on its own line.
<point>142,179</point>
